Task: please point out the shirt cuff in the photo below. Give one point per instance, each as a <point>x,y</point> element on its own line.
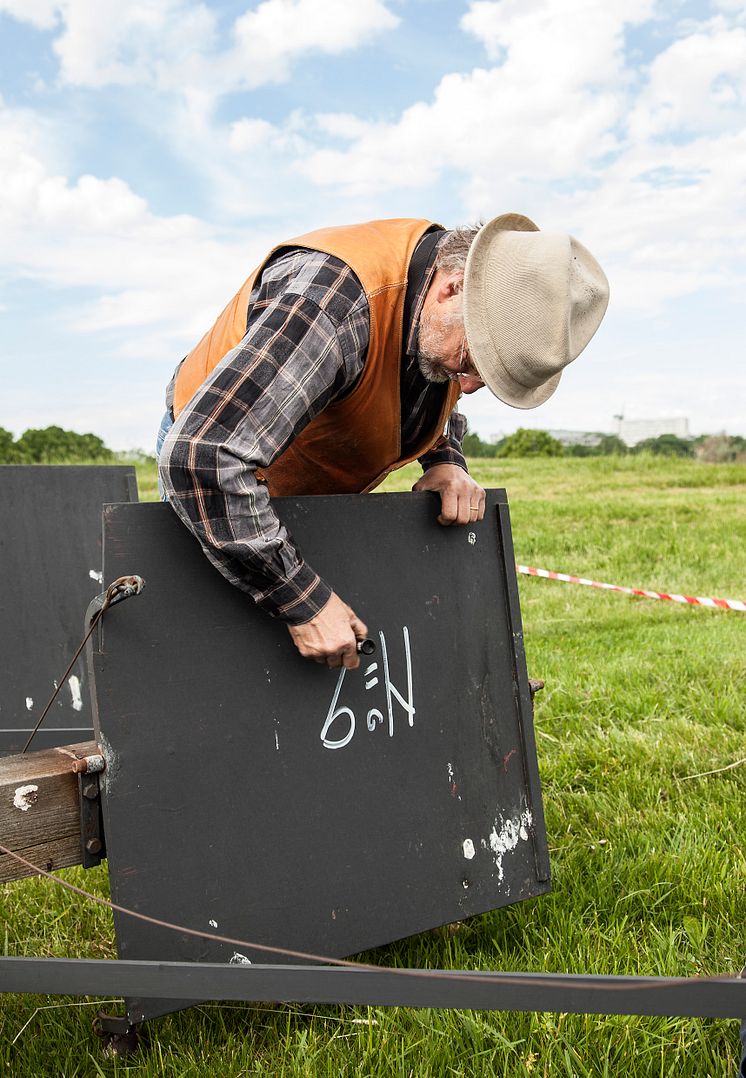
<point>298,598</point>
<point>443,454</point>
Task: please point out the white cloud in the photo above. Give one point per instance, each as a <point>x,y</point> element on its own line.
<point>180,55</point>
<point>697,84</point>
<point>269,37</point>
<point>549,108</point>
<point>174,45</point>
<point>649,168</point>
<point>557,127</point>
<point>253,135</point>
<point>150,273</point>
<point>734,8</point>
<point>42,14</point>
<point>574,40</point>
<point>111,43</point>
<point>341,125</point>
<point>667,220</point>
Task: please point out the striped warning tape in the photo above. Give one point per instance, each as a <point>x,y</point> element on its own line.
<point>689,600</point>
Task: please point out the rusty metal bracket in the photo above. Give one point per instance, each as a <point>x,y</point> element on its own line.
<point>121,1038</point>
<point>92,841</point>
<point>106,1023</point>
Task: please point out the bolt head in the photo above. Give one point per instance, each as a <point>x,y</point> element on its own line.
<point>93,845</point>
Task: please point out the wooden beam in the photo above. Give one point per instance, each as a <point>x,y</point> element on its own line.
<point>39,809</point>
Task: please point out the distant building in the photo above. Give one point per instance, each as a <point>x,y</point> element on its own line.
<point>632,431</point>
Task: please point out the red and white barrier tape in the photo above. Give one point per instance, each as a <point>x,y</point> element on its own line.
<point>690,600</point>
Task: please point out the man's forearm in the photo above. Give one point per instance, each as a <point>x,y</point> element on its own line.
<point>240,533</point>
<point>294,360</point>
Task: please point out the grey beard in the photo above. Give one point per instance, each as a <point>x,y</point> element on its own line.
<point>430,369</point>
<point>431,335</point>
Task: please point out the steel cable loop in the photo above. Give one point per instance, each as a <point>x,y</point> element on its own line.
<point>121,588</point>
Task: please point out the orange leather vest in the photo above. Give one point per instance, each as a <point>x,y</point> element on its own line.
<point>354,443</point>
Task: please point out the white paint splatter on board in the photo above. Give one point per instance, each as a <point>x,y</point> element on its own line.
<point>469,850</point>
<point>510,833</point>
<point>25,797</point>
<point>29,703</point>
<point>77,699</point>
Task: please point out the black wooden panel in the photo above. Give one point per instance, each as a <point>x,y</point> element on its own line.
<point>51,564</point>
<point>225,809</point>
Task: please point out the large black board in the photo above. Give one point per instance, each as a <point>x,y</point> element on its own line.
<point>224,809</point>
<point>51,565</point>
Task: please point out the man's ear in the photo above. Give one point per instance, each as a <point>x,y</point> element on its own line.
<point>457,282</point>
<point>452,284</point>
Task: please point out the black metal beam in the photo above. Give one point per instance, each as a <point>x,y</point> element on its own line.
<point>571,993</point>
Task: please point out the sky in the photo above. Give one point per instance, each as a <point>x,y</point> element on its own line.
<point>152,152</point>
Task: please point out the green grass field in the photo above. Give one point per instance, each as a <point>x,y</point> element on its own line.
<point>642,699</point>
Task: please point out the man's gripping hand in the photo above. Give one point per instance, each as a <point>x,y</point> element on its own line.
<point>461,499</point>
<point>331,637</point>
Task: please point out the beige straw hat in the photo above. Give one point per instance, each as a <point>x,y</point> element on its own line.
<point>532,302</point>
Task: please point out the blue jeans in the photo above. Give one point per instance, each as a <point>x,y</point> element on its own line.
<point>166,424</point>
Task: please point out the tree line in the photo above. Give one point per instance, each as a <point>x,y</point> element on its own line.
<point>714,448</point>
<point>53,445</point>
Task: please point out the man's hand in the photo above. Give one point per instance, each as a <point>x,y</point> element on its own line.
<point>461,499</point>
<point>331,637</point>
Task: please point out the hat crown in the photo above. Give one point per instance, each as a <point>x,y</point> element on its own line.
<point>532,302</point>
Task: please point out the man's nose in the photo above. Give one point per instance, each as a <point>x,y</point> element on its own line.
<point>469,383</point>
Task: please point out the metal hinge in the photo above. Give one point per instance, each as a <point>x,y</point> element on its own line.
<point>92,841</point>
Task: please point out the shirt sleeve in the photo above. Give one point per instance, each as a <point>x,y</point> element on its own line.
<point>293,361</point>
<point>448,450</point>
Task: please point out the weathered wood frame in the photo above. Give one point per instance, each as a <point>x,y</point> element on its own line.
<point>40,809</point>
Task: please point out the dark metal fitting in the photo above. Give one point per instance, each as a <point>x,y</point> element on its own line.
<point>366,647</point>
<point>535,685</point>
<point>105,1023</point>
<point>92,839</point>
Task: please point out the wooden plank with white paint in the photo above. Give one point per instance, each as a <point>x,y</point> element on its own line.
<point>39,809</point>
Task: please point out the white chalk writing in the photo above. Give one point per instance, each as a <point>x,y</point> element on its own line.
<point>340,723</point>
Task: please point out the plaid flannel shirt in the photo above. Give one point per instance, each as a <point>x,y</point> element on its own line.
<point>305,346</point>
